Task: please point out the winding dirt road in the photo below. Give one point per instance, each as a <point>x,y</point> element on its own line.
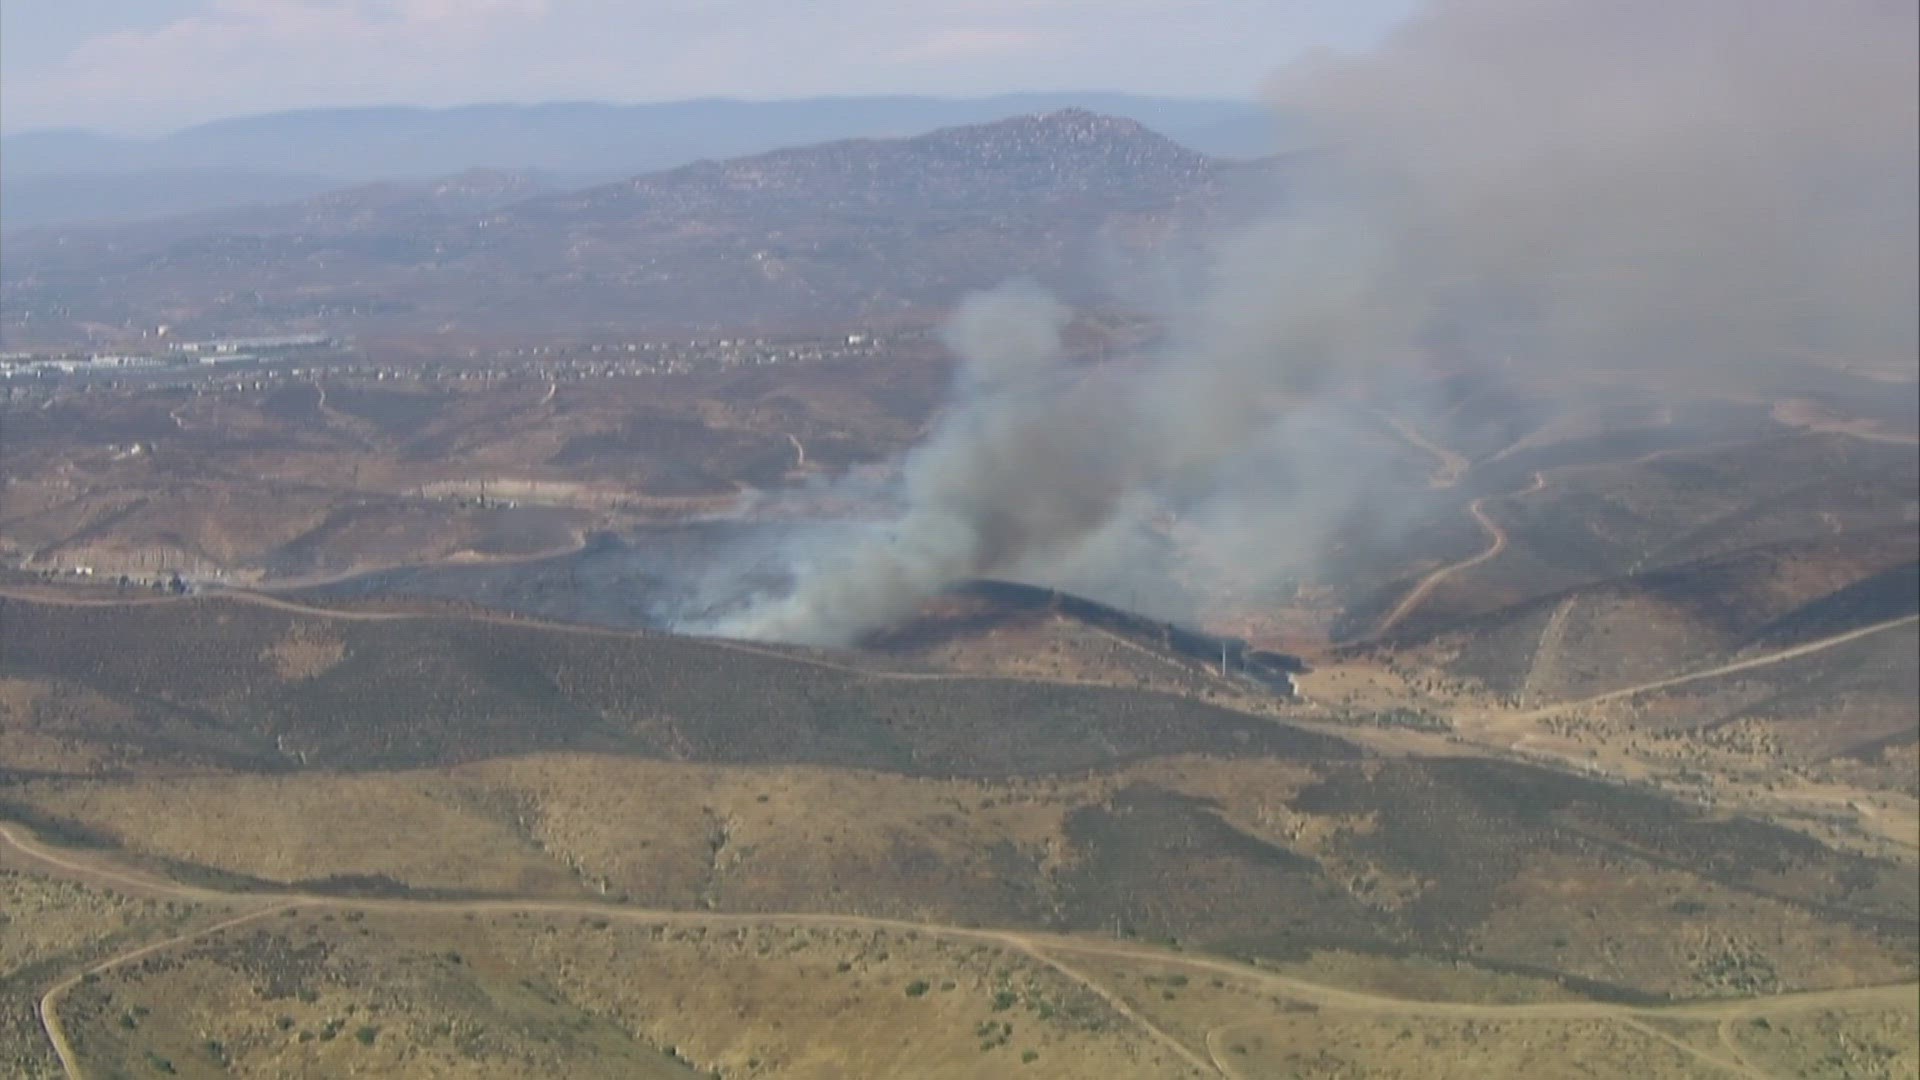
<point>50,1001</point>
<point>1496,543</point>
<point>1045,948</point>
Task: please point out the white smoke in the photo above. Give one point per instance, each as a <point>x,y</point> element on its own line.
<point>1679,191</point>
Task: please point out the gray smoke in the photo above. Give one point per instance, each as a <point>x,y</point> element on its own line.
<point>1672,192</point>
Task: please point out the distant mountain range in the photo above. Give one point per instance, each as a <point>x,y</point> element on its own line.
<point>73,176</point>
<point>859,229</point>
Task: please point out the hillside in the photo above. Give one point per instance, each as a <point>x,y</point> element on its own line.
<point>71,177</point>
<point>865,229</point>
<point>1068,155</point>
<point>687,774</point>
<point>1623,630</point>
<point>225,684</point>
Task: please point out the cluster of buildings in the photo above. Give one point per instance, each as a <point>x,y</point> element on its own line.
<point>16,365</point>
<point>685,357</point>
<point>236,345</point>
<point>237,350</point>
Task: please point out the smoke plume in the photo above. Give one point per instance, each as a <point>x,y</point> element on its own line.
<point>1669,192</point>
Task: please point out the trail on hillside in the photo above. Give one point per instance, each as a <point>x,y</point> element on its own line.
<point>1545,665</point>
<point>1040,945</point>
<point>1722,669</point>
<point>1450,465</point>
<point>1496,543</point>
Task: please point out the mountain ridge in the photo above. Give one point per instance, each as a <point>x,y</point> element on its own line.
<point>820,234</point>
<point>68,175</point>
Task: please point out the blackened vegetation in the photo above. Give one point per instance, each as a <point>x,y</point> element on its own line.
<point>63,424</point>
<point>1729,603</point>
<point>416,692</point>
<point>1888,595</point>
<point>1515,471</point>
<point>276,967</point>
<point>627,582</point>
<point>1410,856</point>
<point>318,547</point>
<point>1163,865</point>
<point>398,414</point>
<point>1867,750</point>
<point>1729,594</point>
<point>618,580</point>
<point>54,829</point>
<point>297,402</point>
<point>1619,513</point>
<point>1468,825</point>
<point>380,886</point>
<point>1271,670</point>
<point>1841,701</point>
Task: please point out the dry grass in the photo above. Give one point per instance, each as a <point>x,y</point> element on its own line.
<point>1004,852</point>
<point>1876,1044</point>
<point>49,928</point>
<point>1327,1046</point>
<point>563,824</point>
<point>767,837</point>
<point>38,722</point>
<point>1423,979</point>
<point>498,996</point>
<point>306,651</point>
<point>336,989</point>
<point>817,1003</point>
<point>1782,767</point>
<point>412,829</point>
<point>1573,918</point>
<point>45,919</point>
<point>1249,1030</point>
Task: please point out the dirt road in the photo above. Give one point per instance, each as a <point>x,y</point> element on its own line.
<point>1715,672</point>
<point>50,1001</point>
<point>1046,948</point>
<point>1449,465</point>
<point>1496,543</point>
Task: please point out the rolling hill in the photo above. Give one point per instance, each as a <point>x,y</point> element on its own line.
<point>71,177</point>
<point>690,774</point>
<point>825,234</point>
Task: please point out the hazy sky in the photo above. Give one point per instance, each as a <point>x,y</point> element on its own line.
<point>147,66</point>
